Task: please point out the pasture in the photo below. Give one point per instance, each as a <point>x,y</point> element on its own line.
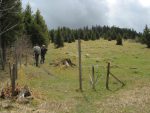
<point>55,87</point>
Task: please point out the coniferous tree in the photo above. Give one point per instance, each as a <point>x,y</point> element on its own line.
<point>28,21</point>
<point>58,40</point>
<point>146,36</point>
<point>11,24</point>
<point>36,27</point>
<point>42,29</point>
<point>97,35</point>
<point>93,36</point>
<point>119,40</point>
<point>113,34</point>
<point>52,34</point>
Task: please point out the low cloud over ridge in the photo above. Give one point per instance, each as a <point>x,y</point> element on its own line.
<point>79,13</point>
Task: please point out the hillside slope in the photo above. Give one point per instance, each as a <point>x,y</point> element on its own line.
<point>55,85</point>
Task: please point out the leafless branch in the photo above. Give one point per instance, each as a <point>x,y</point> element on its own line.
<point>4,7</point>
<point>8,29</point>
<point>7,9</point>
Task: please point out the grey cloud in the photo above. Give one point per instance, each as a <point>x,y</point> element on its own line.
<point>79,13</point>
<point>130,13</point>
<point>72,13</point>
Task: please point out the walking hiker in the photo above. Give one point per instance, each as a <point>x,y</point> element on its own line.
<point>37,51</point>
<point>43,52</point>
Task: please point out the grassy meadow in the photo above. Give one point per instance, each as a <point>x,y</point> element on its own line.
<point>55,88</point>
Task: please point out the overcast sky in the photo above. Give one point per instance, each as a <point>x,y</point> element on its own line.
<point>78,13</point>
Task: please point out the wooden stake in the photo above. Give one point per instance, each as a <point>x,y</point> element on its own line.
<point>107,78</point>
<point>80,66</point>
<point>93,78</point>
<point>13,79</point>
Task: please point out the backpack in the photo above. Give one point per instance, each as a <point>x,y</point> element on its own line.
<point>37,50</point>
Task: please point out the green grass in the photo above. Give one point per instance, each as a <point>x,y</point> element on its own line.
<point>58,86</point>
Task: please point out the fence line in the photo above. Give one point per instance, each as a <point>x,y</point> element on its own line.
<point>112,66</point>
<point>94,65</point>
<point>108,75</point>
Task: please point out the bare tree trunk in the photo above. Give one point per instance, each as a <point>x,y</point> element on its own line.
<point>1,57</point>
<point>1,42</point>
<point>10,70</point>
<point>26,59</point>
<point>16,66</point>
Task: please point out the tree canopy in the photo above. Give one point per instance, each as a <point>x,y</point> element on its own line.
<point>36,27</point>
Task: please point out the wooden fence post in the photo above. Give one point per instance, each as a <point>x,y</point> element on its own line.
<point>107,78</point>
<point>10,70</point>
<point>13,79</point>
<point>93,78</point>
<point>80,66</point>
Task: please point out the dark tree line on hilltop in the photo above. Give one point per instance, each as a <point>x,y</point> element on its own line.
<point>64,34</point>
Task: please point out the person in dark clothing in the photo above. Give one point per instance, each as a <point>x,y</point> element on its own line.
<point>37,52</point>
<point>43,52</point>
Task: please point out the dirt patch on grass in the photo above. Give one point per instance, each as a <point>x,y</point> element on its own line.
<point>66,62</point>
<point>132,101</point>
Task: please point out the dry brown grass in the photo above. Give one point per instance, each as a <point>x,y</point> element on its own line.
<point>135,100</point>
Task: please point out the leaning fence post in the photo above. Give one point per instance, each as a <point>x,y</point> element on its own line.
<point>107,78</point>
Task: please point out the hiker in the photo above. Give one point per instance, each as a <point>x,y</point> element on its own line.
<point>37,52</point>
<point>43,52</point>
